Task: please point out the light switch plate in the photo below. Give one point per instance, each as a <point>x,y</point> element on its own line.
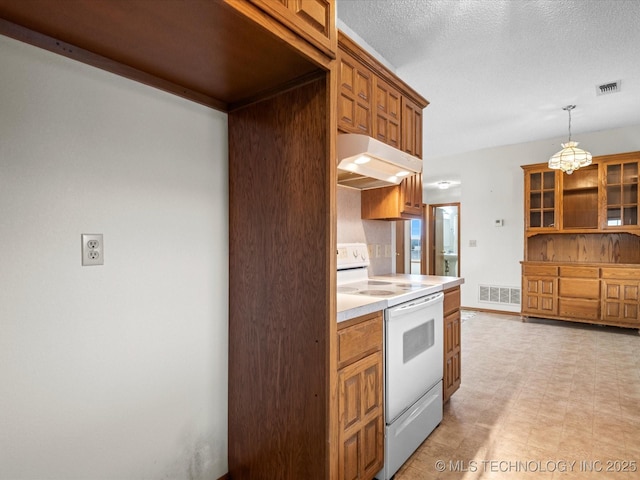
<point>92,249</point>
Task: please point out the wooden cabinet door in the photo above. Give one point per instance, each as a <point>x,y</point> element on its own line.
<point>620,203</point>
<point>621,301</point>
<point>354,99</point>
<point>386,117</point>
<point>540,295</point>
<point>411,196</point>
<point>313,20</point>
<point>452,368</point>
<point>542,193</point>
<point>411,127</point>
<point>361,434</point>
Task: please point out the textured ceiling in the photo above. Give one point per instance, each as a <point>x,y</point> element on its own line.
<point>498,72</point>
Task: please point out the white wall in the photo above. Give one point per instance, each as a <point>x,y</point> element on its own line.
<point>492,188</point>
<point>116,371</point>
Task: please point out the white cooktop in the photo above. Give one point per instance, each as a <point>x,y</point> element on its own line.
<point>394,292</point>
<point>353,279</point>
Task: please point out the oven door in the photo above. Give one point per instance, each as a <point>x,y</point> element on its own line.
<point>413,351</point>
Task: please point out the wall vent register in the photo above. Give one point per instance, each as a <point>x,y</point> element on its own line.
<point>611,87</point>
<point>496,294</point>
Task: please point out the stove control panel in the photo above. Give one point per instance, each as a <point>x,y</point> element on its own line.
<point>352,255</point>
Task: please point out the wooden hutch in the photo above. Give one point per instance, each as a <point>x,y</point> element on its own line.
<point>581,247</point>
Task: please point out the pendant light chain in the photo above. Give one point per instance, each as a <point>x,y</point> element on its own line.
<point>568,109</point>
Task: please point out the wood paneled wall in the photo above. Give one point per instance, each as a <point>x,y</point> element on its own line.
<point>280,274</point>
<point>586,248</point>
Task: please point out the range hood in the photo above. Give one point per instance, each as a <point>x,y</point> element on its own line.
<point>364,162</point>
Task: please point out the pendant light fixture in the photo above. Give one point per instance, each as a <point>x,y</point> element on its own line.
<point>570,158</point>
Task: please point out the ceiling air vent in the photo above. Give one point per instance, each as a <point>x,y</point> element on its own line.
<point>606,88</point>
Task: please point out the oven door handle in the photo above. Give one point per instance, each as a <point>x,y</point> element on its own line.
<point>419,304</point>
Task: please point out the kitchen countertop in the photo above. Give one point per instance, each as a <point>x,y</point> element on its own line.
<point>352,306</point>
<point>445,282</point>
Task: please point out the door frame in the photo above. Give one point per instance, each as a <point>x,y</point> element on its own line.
<point>399,261</point>
<point>428,234</point>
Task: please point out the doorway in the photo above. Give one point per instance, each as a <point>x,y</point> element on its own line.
<point>409,246</point>
<point>442,235</point>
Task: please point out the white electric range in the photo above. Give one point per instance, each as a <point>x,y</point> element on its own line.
<point>413,352</point>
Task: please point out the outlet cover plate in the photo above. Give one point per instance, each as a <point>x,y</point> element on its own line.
<point>92,249</point>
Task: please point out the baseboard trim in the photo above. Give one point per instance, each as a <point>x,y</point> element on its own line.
<point>488,310</point>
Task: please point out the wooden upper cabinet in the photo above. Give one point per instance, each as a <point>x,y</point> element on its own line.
<point>354,99</point>
<point>620,193</point>
<point>313,20</point>
<point>386,106</point>
<point>225,54</point>
<point>398,202</point>
<point>411,128</point>
<point>542,192</point>
<point>376,102</point>
<point>599,198</point>
<point>373,101</point>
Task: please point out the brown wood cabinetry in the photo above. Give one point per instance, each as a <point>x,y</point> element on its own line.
<point>354,100</point>
<point>540,290</point>
<point>313,20</point>
<point>360,398</point>
<point>579,292</point>
<point>411,196</point>
<point>541,199</point>
<point>399,202</point>
<point>223,54</point>
<point>452,373</point>
<point>374,101</point>
<point>620,203</point>
<point>621,296</point>
<point>386,107</point>
<point>582,251</point>
<point>411,128</point>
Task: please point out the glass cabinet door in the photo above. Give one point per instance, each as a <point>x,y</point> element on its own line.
<point>542,200</point>
<point>621,194</point>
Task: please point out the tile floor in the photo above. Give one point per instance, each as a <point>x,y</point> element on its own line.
<point>541,399</point>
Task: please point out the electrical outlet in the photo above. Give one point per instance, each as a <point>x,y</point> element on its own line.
<point>92,249</point>
<point>387,251</point>
<point>378,250</point>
